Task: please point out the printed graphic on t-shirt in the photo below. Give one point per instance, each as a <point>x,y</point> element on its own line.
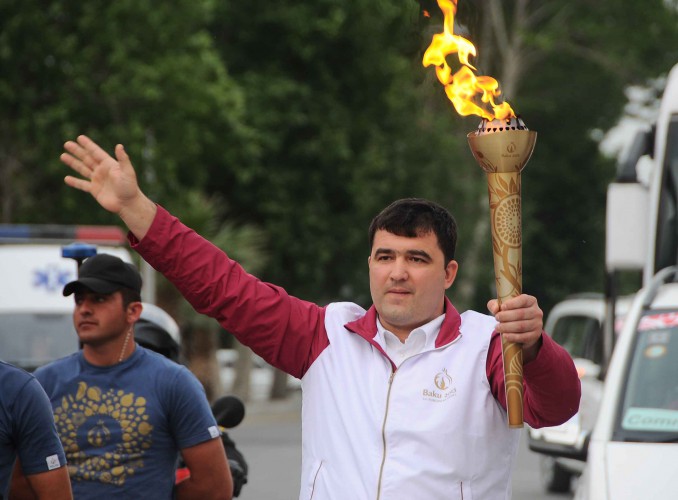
<point>105,434</point>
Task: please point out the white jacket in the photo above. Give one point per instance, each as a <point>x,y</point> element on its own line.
<point>430,430</point>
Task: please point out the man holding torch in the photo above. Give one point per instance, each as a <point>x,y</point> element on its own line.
<point>404,400</point>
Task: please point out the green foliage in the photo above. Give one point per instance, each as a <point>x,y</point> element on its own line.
<point>577,58</point>
<point>309,117</point>
<point>334,91</point>
<point>207,215</point>
<point>588,53</point>
<point>137,72</point>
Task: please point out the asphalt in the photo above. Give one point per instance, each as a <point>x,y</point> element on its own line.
<point>268,411</point>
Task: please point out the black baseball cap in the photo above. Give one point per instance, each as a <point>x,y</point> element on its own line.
<point>105,273</point>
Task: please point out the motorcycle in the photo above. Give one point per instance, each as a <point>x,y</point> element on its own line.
<point>228,411</point>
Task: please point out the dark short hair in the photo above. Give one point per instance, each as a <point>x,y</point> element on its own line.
<point>412,217</point>
<point>129,296</point>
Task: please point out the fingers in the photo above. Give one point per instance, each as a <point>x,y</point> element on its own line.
<point>76,183</point>
<point>84,155</point>
<point>78,159</point>
<point>493,306</point>
<point>92,149</point>
<point>123,158</point>
<point>75,162</point>
<point>519,319</point>
<point>518,328</point>
<point>519,302</point>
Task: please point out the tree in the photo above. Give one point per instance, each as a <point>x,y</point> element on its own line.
<point>137,72</point>
<point>309,117</point>
<point>597,49</point>
<point>201,335</point>
<point>564,67</point>
<point>337,96</point>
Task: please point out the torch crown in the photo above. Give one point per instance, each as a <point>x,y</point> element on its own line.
<point>490,127</point>
<point>503,148</point>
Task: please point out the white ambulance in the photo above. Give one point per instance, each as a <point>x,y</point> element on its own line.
<point>35,318</point>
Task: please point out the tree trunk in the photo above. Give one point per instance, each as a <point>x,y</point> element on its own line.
<point>243,372</point>
<point>279,387</point>
<point>201,351</point>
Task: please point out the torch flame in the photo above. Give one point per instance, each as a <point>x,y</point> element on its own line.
<point>463,87</point>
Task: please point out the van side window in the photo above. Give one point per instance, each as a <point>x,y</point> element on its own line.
<point>580,336</point>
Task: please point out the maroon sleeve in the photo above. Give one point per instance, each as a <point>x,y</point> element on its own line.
<point>287,332</point>
<point>551,387</point>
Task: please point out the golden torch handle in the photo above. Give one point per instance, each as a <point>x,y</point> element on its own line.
<point>505,217</point>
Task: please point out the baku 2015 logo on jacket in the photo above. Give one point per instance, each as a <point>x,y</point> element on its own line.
<point>442,389</point>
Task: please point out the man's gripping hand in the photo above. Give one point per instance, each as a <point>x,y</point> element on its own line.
<point>520,320</point>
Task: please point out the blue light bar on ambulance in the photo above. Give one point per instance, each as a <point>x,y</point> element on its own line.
<point>20,233</point>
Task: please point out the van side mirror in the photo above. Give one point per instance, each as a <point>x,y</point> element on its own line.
<point>626,231</point>
<point>641,145</point>
<point>574,451</point>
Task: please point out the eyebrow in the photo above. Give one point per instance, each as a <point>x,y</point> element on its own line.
<point>411,253</point>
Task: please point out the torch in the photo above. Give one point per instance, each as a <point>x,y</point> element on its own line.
<point>501,145</point>
<point>502,148</point>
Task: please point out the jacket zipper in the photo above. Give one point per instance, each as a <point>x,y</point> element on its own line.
<point>383,434</point>
<point>383,424</point>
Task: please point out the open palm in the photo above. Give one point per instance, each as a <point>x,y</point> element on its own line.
<point>111,181</point>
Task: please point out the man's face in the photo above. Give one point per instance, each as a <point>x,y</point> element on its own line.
<point>408,279</point>
<point>99,318</point>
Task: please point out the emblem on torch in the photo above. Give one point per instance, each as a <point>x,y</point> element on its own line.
<point>501,145</point>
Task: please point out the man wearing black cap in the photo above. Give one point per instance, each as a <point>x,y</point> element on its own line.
<point>124,412</point>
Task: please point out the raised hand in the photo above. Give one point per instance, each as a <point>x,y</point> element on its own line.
<point>111,181</point>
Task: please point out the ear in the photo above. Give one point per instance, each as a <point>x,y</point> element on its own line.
<point>451,273</point>
<point>134,312</point>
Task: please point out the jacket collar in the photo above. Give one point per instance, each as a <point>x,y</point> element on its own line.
<point>366,326</point>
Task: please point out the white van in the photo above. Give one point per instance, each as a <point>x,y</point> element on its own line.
<point>634,447</point>
<point>576,323</point>
<point>36,324</point>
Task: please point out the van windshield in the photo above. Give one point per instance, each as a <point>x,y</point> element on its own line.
<point>580,336</point>
<point>649,409</point>
<point>32,340</point>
